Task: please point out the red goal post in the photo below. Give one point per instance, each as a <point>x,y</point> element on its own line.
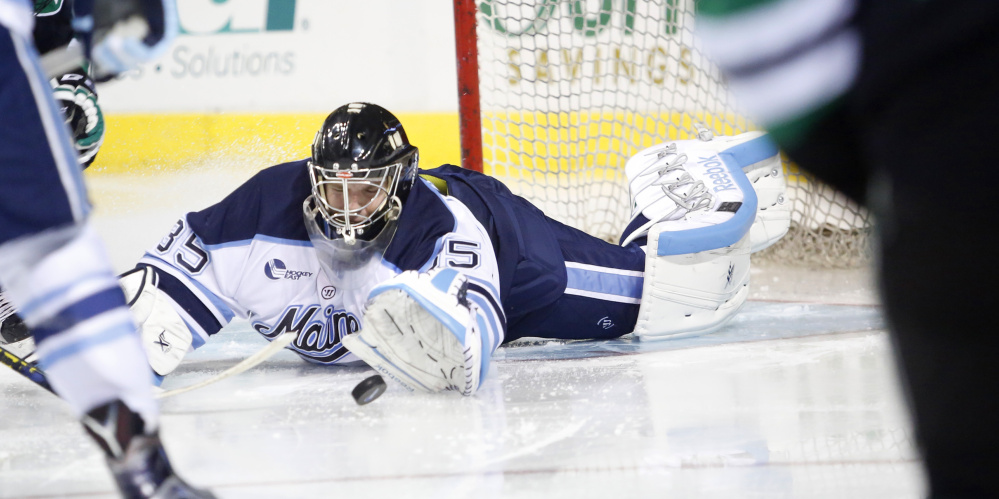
<point>555,96</point>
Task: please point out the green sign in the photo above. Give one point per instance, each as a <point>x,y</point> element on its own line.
<point>583,21</point>
<point>234,16</point>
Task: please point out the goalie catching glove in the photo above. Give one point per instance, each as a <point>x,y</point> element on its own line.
<point>421,331</point>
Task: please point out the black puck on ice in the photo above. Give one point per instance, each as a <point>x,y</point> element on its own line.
<point>368,390</point>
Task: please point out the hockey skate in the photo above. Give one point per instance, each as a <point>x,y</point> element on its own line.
<point>136,458</point>
<point>13,330</point>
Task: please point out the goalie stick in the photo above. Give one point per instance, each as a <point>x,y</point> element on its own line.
<point>265,353</point>
<point>37,376</point>
<point>62,60</point>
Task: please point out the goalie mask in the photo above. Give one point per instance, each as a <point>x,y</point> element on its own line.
<point>362,170</point>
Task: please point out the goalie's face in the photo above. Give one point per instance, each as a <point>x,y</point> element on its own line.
<point>354,201</point>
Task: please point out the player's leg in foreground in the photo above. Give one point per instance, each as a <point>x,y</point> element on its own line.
<point>700,207</point>
<point>53,267</point>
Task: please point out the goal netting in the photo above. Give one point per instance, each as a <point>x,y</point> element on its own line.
<point>567,90</point>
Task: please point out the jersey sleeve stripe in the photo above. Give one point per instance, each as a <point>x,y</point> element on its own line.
<point>215,305</point>
<point>488,286</point>
<point>189,302</point>
<point>199,336</point>
<point>493,335</point>
<point>488,292</point>
<point>486,353</point>
<point>258,237</point>
<point>492,312</point>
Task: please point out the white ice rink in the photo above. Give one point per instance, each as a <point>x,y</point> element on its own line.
<point>798,397</point>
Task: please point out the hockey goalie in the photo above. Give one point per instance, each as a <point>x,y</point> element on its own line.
<point>422,274</point>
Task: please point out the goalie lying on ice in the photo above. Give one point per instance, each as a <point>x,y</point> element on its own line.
<point>422,274</point>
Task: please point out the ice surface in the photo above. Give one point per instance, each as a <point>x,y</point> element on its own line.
<point>798,397</point>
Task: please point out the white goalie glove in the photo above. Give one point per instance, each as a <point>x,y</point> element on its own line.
<point>164,335</point>
<point>421,331</point>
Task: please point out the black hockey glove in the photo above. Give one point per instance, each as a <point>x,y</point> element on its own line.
<point>77,99</point>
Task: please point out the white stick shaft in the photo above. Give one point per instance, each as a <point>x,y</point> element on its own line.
<point>264,354</point>
<point>62,60</point>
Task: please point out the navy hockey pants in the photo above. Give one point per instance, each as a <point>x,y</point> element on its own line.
<point>602,295</point>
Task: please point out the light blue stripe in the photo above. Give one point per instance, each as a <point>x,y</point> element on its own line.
<point>603,282</point>
<point>108,335</point>
<point>258,237</point>
<point>488,285</point>
<point>212,297</point>
<point>750,153</point>
<point>433,258</point>
<point>32,306</point>
<point>487,311</point>
<point>487,353</point>
<point>732,230</point>
<point>442,281</point>
<point>196,340</point>
<point>449,322</point>
<point>391,266</point>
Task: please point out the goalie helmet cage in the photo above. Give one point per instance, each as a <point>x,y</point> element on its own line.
<point>556,95</point>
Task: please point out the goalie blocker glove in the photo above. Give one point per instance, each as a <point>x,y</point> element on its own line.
<point>422,332</point>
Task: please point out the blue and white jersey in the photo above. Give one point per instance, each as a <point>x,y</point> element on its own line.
<point>249,256</point>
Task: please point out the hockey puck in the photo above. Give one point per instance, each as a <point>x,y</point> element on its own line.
<point>368,390</point>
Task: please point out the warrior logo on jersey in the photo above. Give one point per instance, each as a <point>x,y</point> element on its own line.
<point>318,334</point>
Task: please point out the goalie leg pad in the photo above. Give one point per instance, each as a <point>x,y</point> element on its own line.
<point>773,215</point>
<point>165,336</point>
<point>690,179</point>
<point>691,294</point>
<point>420,331</point>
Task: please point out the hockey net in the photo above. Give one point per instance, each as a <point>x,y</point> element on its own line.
<point>566,91</point>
